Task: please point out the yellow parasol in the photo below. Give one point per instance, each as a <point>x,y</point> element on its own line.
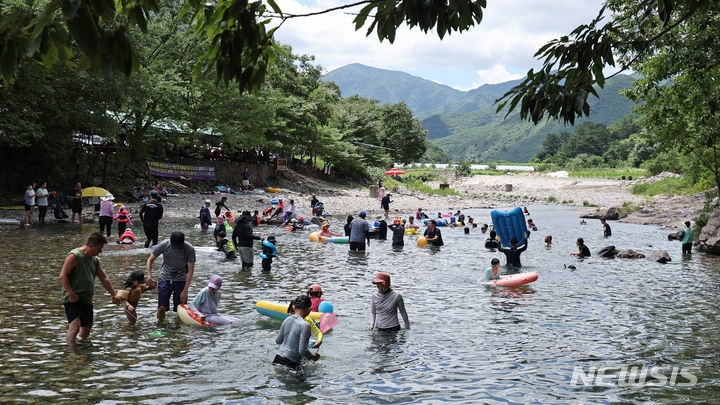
<point>94,192</point>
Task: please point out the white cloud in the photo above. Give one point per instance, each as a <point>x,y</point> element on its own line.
<point>505,41</point>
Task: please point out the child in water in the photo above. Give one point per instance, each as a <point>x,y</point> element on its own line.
<point>493,273</point>
<point>123,218</point>
<point>294,336</point>
<point>206,302</point>
<point>268,253</point>
<point>225,245</point>
<point>315,292</point>
<point>131,292</point>
<point>127,238</point>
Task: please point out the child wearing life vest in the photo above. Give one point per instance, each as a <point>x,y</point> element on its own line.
<point>225,245</point>
<point>131,292</point>
<point>269,251</point>
<point>127,238</point>
<point>315,292</point>
<point>123,218</point>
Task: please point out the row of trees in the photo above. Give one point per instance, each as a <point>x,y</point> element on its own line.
<point>293,113</point>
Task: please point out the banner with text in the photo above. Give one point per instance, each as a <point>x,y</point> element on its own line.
<point>176,170</point>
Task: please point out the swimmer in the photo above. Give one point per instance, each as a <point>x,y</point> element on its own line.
<point>294,335</point>
<point>225,245</point>
<point>582,222</point>
<point>433,234</point>
<point>493,273</point>
<point>411,223</point>
<point>127,238</point>
<point>548,240</point>
<point>484,228</point>
<point>467,231</point>
<point>583,250</point>
<point>531,224</point>
<point>492,241</point>
<point>326,230</point>
<point>269,251</point>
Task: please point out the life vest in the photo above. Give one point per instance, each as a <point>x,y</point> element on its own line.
<point>128,234</point>
<point>123,216</point>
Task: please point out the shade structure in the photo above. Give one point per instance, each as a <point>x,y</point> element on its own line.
<point>394,172</point>
<point>94,192</point>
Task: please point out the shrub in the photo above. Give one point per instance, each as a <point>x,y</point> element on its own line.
<point>551,199</point>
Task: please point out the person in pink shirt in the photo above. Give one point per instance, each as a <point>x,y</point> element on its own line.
<point>106,213</point>
<point>315,292</point>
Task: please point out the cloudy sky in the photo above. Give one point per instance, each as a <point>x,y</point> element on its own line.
<point>501,48</point>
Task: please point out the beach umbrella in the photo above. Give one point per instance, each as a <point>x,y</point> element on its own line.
<point>94,192</point>
<point>394,172</point>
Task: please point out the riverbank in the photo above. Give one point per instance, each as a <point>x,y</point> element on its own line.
<point>480,191</point>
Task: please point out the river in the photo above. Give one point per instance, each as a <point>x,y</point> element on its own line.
<point>467,343</point>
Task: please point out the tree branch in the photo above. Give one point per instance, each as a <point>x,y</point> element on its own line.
<point>344,6</point>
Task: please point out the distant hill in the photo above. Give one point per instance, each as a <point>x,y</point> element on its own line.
<point>464,123</point>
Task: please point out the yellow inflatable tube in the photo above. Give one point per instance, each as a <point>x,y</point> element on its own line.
<point>273,190</point>
<point>412,231</point>
<point>278,310</point>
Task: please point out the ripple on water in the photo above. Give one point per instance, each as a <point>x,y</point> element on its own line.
<point>468,343</point>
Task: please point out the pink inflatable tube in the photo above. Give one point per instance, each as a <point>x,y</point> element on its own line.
<point>514,280</point>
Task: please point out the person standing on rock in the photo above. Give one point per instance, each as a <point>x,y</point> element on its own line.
<point>359,233</point>
<point>150,215</point>
<point>687,239</point>
<point>607,232</point>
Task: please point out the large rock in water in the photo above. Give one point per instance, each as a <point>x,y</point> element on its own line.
<point>660,256</point>
<point>612,213</point>
<point>630,254</point>
<point>676,235</point>
<point>709,240</point>
<point>608,252</point>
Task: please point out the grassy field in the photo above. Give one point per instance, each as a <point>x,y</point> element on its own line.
<point>418,185</point>
<point>609,173</point>
<point>669,186</point>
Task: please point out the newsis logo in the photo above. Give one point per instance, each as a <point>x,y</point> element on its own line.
<point>635,376</point>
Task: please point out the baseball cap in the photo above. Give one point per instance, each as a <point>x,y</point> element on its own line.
<point>315,288</point>
<point>383,278</point>
<point>215,282</point>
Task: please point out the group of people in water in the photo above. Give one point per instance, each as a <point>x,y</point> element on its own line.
<point>82,267</point>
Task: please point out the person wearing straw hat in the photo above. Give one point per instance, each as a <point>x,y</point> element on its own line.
<point>106,213</point>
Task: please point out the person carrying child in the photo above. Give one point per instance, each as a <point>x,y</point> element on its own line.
<point>269,251</point>
<point>206,301</point>
<point>131,292</point>
<point>294,336</point>
<point>225,245</point>
<point>123,218</point>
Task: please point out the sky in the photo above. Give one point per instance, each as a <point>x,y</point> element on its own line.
<point>501,48</point>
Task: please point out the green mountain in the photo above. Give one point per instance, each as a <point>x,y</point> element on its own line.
<point>464,124</point>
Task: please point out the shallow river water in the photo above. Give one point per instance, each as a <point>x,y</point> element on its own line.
<point>467,343</point>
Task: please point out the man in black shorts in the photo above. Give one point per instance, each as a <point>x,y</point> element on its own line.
<point>77,278</point>
<point>150,215</point>
<point>359,233</point>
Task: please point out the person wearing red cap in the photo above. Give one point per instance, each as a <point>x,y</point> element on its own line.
<point>385,305</point>
<point>315,292</point>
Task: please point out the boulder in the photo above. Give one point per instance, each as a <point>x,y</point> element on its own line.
<point>629,254</point>
<point>709,240</point>
<point>608,252</point>
<point>660,256</point>
<point>676,235</point>
<point>612,213</point>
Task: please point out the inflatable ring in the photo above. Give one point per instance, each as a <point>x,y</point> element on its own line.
<point>412,231</point>
<point>189,317</point>
<point>278,310</point>
<point>273,190</point>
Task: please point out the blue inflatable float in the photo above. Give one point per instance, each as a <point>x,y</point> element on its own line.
<point>509,224</point>
<point>438,222</point>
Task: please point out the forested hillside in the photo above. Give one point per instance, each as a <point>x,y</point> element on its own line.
<point>464,124</point>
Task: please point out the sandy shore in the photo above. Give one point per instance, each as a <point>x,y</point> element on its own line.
<point>474,192</point>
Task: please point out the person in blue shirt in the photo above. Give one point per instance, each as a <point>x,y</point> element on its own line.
<point>205,218</point>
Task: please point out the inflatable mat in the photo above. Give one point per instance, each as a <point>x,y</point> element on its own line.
<point>514,280</point>
<point>509,224</point>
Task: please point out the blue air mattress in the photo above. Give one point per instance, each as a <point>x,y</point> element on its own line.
<point>509,224</point>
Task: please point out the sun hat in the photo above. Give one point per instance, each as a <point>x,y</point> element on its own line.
<point>208,202</point>
<point>382,278</point>
<point>325,224</point>
<point>215,282</point>
<point>108,197</point>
